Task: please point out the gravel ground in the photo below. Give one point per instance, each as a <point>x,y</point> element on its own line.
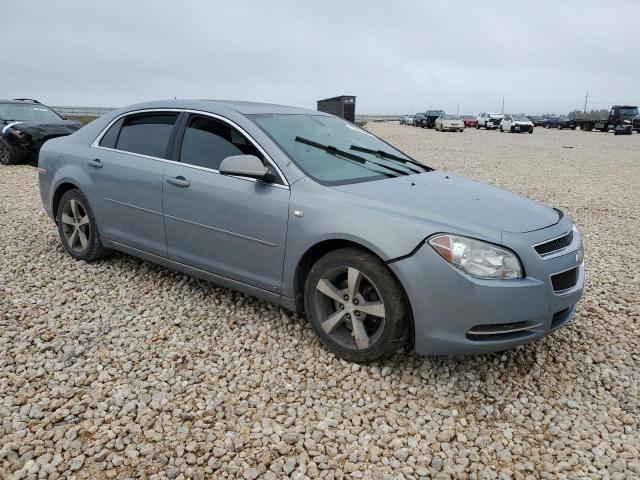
<point>121,369</point>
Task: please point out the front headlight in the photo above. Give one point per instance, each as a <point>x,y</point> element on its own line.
<point>477,258</point>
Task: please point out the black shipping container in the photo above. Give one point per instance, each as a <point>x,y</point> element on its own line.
<point>343,106</point>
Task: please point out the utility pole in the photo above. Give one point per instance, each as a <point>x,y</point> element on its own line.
<point>458,109</point>
<point>502,106</point>
<point>586,97</point>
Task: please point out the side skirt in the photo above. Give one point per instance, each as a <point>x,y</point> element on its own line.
<point>286,302</point>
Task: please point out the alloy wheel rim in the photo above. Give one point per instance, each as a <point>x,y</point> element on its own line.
<point>75,225</point>
<point>350,308</point>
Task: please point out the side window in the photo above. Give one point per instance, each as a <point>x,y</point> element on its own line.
<point>208,141</point>
<point>147,133</point>
<point>110,138</point>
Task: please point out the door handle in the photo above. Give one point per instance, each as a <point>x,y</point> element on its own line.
<point>95,163</point>
<point>178,181</point>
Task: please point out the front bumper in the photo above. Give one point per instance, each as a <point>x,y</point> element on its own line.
<point>452,128</point>
<point>522,128</point>
<point>454,313</point>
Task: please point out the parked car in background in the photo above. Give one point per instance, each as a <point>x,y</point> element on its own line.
<point>536,120</point>
<point>622,119</point>
<point>431,117</point>
<point>406,120</point>
<point>469,120</point>
<point>449,123</point>
<point>516,124</point>
<point>489,120</point>
<point>25,125</point>
<point>316,215</point>
<point>428,118</point>
<point>559,122</point>
<point>419,119</point>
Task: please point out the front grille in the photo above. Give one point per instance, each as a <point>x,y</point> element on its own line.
<point>565,280</point>
<point>554,245</point>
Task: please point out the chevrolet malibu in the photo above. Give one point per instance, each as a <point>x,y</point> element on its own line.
<point>310,212</point>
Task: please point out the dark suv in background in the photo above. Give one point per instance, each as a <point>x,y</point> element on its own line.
<point>25,125</point>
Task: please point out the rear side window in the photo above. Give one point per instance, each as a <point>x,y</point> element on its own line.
<point>110,138</point>
<point>147,134</point>
<point>208,141</point>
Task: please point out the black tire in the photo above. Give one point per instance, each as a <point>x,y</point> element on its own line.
<point>501,129</point>
<point>93,249</point>
<point>530,129</point>
<point>478,126</point>
<point>392,331</point>
<point>573,128</point>
<point>548,126</point>
<point>8,154</point>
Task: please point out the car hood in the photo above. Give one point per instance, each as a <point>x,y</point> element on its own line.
<point>444,198</point>
<point>41,130</point>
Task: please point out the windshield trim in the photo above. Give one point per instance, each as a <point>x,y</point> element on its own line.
<point>330,183</point>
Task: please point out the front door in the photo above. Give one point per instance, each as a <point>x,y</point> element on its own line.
<point>231,226</point>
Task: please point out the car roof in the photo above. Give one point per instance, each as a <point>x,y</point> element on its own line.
<point>22,102</point>
<point>242,107</point>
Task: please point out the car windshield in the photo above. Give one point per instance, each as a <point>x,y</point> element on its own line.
<point>564,119</point>
<point>520,118</point>
<point>26,112</point>
<point>333,151</point>
<point>450,117</point>
<point>468,117</point>
<point>629,111</point>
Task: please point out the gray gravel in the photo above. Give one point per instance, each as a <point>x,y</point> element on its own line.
<point>121,369</point>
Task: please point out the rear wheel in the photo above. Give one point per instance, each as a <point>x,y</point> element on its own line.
<point>8,154</point>
<point>530,129</point>
<point>77,227</point>
<point>356,306</point>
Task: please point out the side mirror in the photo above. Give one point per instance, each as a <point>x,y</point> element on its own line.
<point>244,166</point>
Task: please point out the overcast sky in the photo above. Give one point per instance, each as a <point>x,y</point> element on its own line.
<point>395,56</point>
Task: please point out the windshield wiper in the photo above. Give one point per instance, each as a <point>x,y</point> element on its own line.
<point>350,156</point>
<point>390,156</point>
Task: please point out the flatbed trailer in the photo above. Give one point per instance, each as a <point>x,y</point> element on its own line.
<point>623,120</point>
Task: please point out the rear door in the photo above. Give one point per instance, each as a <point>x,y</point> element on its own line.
<point>127,174</point>
<point>231,226</point>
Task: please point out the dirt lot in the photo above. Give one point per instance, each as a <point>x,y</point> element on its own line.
<point>122,369</point>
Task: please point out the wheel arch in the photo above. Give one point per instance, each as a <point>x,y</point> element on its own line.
<point>60,190</point>
<point>316,251</point>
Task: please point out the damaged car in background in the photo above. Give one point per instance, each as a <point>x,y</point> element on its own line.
<point>25,125</point>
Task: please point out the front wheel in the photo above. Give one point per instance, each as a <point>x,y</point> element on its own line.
<point>530,129</point>
<point>356,306</point>
<point>77,227</point>
<point>8,154</point>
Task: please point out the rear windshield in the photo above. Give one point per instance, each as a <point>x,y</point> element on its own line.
<point>27,112</point>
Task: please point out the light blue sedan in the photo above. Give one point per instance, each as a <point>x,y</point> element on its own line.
<point>310,212</point>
